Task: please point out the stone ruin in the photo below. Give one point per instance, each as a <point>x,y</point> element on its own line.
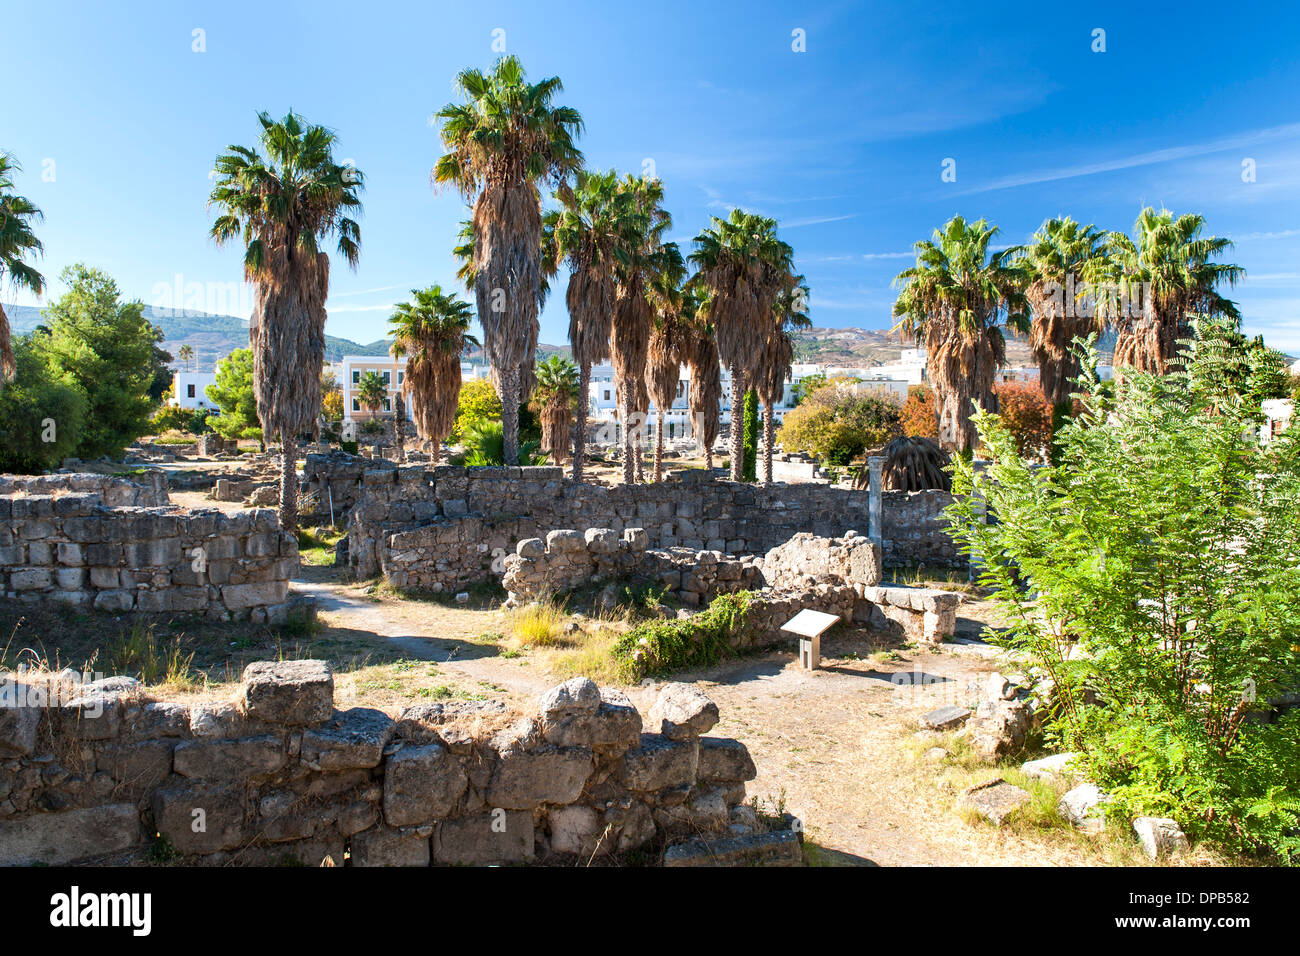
<point>443,528</point>
<point>91,771</point>
<point>838,576</point>
<point>116,545</point>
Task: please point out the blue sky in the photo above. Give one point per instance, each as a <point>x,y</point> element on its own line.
<point>843,143</point>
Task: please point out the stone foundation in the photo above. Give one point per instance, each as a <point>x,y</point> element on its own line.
<point>277,775</point>
<point>117,545</point>
<point>469,519</point>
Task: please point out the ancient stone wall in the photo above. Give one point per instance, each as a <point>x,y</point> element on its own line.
<point>92,771</point>
<point>118,545</point>
<point>692,511</point>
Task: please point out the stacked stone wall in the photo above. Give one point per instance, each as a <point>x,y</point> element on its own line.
<point>97,771</point>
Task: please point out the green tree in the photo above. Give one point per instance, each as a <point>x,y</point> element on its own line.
<point>953,301</point>
<point>106,348</point>
<point>41,413</point>
<point>502,142</point>
<point>839,421</point>
<point>17,242</point>
<point>233,394</point>
<point>749,467</point>
<point>280,207</point>
<point>1152,572</point>
<point>477,402</point>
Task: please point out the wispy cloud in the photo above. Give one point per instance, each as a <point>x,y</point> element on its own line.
<point>814,221</point>
<point>1272,134</point>
<point>382,288</point>
<point>1281,234</point>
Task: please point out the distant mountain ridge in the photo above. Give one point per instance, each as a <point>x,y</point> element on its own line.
<point>212,337</point>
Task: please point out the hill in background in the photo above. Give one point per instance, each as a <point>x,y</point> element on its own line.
<point>212,337</point>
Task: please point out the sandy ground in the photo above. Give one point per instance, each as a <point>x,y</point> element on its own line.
<point>833,746</point>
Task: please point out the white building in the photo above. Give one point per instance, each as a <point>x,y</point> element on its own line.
<point>189,389</point>
<point>353,368</point>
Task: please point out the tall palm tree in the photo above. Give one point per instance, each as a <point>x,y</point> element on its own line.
<point>773,368</point>
<point>372,391</point>
<point>431,331</point>
<point>665,351</point>
<point>281,206</point>
<point>699,351</point>
<point>1168,259</point>
<point>638,264</point>
<point>743,267</point>
<point>17,242</point>
<point>952,300</point>
<point>186,354</point>
<point>1056,263</point>
<point>554,399</point>
<point>501,143</point>
<point>590,231</point>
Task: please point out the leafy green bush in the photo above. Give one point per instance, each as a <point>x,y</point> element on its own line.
<point>1164,542</point>
<point>657,647</point>
<point>837,422</point>
<point>484,443</point>
<point>41,414</point>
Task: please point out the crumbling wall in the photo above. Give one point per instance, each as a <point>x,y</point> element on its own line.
<point>692,511</point>
<point>92,771</point>
<point>118,545</point>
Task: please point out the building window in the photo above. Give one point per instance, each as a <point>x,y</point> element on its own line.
<point>606,395</point>
<point>400,377</point>
<point>388,405</point>
<point>356,377</point>
<point>356,405</point>
<point>387,377</point>
<point>189,391</point>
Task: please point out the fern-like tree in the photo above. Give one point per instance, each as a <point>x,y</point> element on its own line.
<point>954,301</point>
<point>742,268</point>
<point>554,399</point>
<point>18,243</point>
<point>1153,572</point>
<point>431,332</point>
<point>505,140</point>
<point>1167,266</point>
<point>699,352</point>
<point>281,203</point>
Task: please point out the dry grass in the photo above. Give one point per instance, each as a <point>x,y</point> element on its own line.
<point>539,624</point>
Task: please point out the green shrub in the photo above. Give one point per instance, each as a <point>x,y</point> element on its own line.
<point>1164,541</point>
<point>658,647</point>
<point>41,414</point>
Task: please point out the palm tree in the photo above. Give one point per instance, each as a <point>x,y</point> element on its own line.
<point>186,354</point>
<point>1056,262</point>
<point>1169,260</point>
<point>773,368</point>
<point>554,399</point>
<point>952,300</point>
<point>590,231</point>
<point>743,267</point>
<point>17,241</point>
<point>280,206</point>
<point>503,141</point>
<point>372,392</point>
<point>667,336</point>
<point>700,353</point>
<point>432,331</point>
<point>638,264</point>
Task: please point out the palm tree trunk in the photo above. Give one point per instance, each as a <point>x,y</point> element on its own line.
<point>288,484</point>
<point>629,452</point>
<point>708,458</point>
<point>510,415</point>
<point>659,447</point>
<point>580,441</point>
<point>769,417</point>
<point>399,407</point>
<point>737,423</point>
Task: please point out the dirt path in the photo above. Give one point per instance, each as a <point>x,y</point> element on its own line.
<point>832,745</point>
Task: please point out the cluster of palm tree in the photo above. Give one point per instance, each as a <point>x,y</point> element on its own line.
<point>1069,281</point>
<point>630,297</point>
